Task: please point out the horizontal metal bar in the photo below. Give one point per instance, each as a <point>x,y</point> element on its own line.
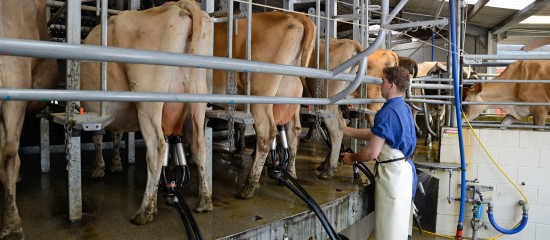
<point>431,86</point>
<point>505,81</point>
<point>346,17</point>
<point>473,57</point>
<point>432,79</point>
<point>427,101</point>
<point>124,96</point>
<point>433,96</point>
<point>507,126</point>
<point>507,103</point>
<point>44,49</point>
<point>224,19</point>
<point>83,147</point>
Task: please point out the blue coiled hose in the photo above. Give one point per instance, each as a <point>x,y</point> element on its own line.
<point>511,231</point>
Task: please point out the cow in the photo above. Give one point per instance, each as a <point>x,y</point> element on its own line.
<point>435,111</point>
<point>513,92</point>
<point>24,20</point>
<point>409,64</point>
<point>341,50</point>
<point>277,37</point>
<point>177,27</point>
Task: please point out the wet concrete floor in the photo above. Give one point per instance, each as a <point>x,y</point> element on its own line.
<point>110,202</point>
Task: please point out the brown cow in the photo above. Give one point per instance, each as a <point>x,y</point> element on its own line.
<point>513,92</point>
<point>177,27</point>
<point>25,20</point>
<point>409,64</point>
<point>277,37</point>
<point>341,50</point>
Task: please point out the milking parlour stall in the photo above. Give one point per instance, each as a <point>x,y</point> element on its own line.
<point>225,119</point>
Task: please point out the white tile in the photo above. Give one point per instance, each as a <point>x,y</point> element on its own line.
<point>545,158</point>
<point>535,139</point>
<point>491,174</point>
<point>480,156</point>
<point>518,157</point>
<point>446,208</point>
<point>537,214</point>
<point>491,137</point>
<point>446,224</point>
<point>509,139</point>
<point>449,154</point>
<point>542,231</point>
<point>533,176</point>
<point>544,196</point>
<point>528,233</point>
<point>505,211</point>
<point>506,192</point>
<point>443,190</point>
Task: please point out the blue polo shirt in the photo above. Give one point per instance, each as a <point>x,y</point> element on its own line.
<point>394,123</point>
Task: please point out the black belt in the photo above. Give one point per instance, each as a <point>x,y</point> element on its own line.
<point>387,161</point>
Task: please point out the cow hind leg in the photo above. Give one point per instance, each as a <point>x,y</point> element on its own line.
<point>294,128</point>
<point>198,151</point>
<point>150,116</point>
<point>10,130</point>
<point>116,164</point>
<point>99,163</point>
<point>266,131</point>
<point>334,128</point>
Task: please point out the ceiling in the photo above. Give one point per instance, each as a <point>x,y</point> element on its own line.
<point>481,19</point>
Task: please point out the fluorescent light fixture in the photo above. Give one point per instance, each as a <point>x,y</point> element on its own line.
<point>536,20</point>
<point>507,4</point>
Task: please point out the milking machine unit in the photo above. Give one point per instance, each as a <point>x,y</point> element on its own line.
<point>172,188</point>
<point>277,170</point>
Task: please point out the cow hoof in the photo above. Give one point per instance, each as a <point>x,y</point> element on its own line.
<point>205,207</point>
<point>116,168</point>
<point>321,167</point>
<point>326,175</point>
<point>98,173</point>
<point>142,218</point>
<point>245,194</point>
<point>13,231</point>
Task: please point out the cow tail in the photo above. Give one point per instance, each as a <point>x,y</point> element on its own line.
<point>415,70</point>
<point>308,41</point>
<point>196,17</point>
<point>358,47</point>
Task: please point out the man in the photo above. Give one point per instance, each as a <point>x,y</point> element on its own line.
<point>392,140</point>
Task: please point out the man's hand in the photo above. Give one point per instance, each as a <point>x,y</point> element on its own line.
<point>347,158</point>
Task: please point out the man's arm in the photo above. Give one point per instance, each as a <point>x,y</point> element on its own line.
<point>358,133</point>
<point>369,153</point>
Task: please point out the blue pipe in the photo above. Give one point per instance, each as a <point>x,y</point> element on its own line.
<point>479,210</point>
<point>506,231</point>
<point>454,59</point>
<point>433,45</point>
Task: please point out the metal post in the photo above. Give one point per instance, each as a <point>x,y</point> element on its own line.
<point>73,168</point>
<point>131,145</point>
<point>208,159</point>
<point>44,144</point>
<point>74,178</point>
<point>103,85</point>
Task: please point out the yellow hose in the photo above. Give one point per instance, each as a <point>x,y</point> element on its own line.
<point>499,168</point>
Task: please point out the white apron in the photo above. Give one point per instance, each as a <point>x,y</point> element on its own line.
<point>393,196</point>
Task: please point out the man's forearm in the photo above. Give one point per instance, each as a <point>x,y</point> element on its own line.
<point>358,133</point>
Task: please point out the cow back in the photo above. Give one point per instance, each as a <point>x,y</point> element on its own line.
<point>175,27</point>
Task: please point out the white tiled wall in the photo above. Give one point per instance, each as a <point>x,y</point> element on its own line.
<point>524,155</point>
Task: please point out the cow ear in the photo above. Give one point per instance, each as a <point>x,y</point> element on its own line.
<point>478,87</point>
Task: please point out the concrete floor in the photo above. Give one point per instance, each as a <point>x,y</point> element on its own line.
<point>110,202</point>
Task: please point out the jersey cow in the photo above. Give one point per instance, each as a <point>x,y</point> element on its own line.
<point>513,92</point>
<point>341,50</point>
<point>277,37</point>
<point>25,20</point>
<point>177,27</point>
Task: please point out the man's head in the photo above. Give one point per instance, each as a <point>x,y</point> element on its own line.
<point>395,81</point>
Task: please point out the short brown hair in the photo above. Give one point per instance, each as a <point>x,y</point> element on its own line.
<point>398,76</point>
